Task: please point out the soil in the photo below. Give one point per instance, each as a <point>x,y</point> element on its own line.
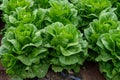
<point>89,71</point>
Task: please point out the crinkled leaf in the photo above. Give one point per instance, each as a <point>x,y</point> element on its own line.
<point>68,60</point>
<point>8,60</point>
<point>27,60</point>
<point>40,70</point>
<point>69,52</point>
<point>57,68</point>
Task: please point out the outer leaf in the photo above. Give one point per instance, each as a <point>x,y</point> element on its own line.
<point>69,60</point>
<point>40,70</point>
<point>57,68</point>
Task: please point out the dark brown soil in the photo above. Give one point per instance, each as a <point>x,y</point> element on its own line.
<point>3,76</point>
<point>90,71</point>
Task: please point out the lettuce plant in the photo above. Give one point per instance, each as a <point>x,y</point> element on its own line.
<point>10,5</point>
<point>38,17</point>
<point>22,53</point>
<point>68,49</point>
<point>109,55</point>
<point>19,15</point>
<point>62,11</point>
<point>90,9</point>
<point>107,21</point>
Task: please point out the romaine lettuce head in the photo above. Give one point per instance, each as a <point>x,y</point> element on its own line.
<point>67,46</point>
<point>10,5</point>
<point>109,54</point>
<point>22,52</point>
<point>62,11</point>
<point>107,21</point>
<point>90,9</point>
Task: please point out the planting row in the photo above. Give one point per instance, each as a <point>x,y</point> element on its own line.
<point>60,34</point>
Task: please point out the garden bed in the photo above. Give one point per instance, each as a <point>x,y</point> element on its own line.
<point>60,40</point>
<point>89,71</point>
